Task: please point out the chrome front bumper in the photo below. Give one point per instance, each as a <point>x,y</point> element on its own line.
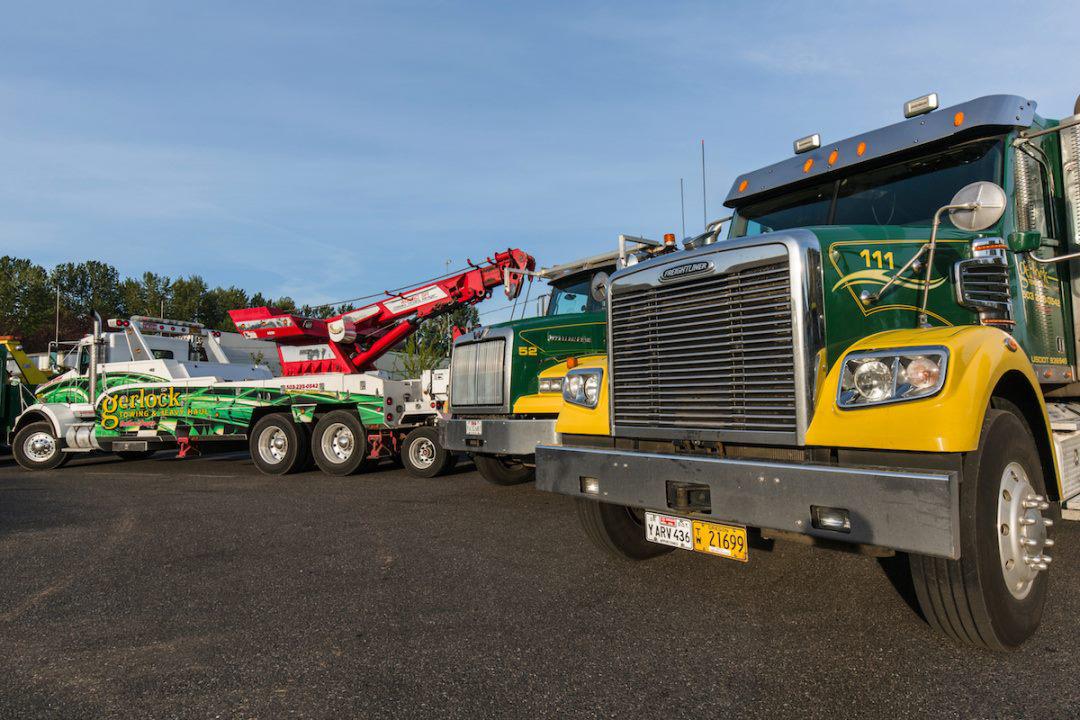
<point>499,436</point>
<point>913,511</point>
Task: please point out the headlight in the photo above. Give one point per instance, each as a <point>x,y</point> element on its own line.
<point>582,386</point>
<point>551,385</point>
<point>888,376</point>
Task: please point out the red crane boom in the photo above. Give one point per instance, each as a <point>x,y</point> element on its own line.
<point>352,341</point>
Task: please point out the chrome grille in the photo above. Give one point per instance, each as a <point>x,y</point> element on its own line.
<point>714,353</point>
<point>476,374</point>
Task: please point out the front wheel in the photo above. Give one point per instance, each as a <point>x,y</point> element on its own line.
<point>277,445</point>
<point>993,596</point>
<point>503,470</point>
<point>423,455</point>
<point>618,530</point>
<point>36,448</point>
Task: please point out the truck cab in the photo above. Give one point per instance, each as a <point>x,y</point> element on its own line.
<point>498,410</point>
<point>880,356</point>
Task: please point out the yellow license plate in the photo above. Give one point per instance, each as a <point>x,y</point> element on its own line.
<point>727,541</point>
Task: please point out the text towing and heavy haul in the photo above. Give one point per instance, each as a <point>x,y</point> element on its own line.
<point>881,355</point>
<point>328,405</point>
<point>500,409</point>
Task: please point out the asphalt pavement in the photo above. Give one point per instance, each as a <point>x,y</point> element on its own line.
<point>200,588</point>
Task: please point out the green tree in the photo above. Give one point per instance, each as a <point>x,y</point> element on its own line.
<point>187,299</point>
<point>146,296</point>
<point>26,302</point>
<point>87,287</point>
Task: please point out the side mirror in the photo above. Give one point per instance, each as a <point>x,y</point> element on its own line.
<point>599,286</point>
<point>1026,241</point>
<point>990,200</point>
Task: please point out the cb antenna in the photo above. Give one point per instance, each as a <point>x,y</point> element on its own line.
<point>704,197</point>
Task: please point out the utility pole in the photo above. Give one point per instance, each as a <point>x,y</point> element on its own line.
<point>57,337</point>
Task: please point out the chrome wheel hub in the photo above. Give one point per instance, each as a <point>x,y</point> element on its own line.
<point>422,453</point>
<point>1022,531</point>
<point>338,443</point>
<point>273,445</point>
<point>40,446</point>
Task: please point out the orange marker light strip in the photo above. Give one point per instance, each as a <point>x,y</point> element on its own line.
<point>958,119</point>
<point>743,185</point>
<point>833,157</point>
<point>807,165</point>
<point>861,149</point>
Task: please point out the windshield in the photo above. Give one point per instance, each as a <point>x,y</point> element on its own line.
<point>573,297</point>
<point>906,193</point>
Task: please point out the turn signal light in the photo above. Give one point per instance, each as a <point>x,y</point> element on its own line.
<point>571,362</point>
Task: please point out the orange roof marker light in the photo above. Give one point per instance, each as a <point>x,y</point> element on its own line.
<point>861,149</point>
<point>807,165</point>
<point>958,119</point>
<point>743,185</point>
<point>833,157</point>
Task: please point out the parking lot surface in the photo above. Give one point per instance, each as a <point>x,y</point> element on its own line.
<point>201,588</point>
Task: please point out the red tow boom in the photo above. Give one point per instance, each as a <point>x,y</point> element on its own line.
<point>351,342</point>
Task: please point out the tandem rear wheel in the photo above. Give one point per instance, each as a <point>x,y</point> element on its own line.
<point>339,443</point>
<point>278,446</point>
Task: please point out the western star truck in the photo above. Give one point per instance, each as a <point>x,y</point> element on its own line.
<point>499,409</point>
<point>881,355</point>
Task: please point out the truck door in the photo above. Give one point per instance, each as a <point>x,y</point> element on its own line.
<point>1042,293</point>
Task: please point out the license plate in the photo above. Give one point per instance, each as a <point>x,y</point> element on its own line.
<point>474,427</point>
<point>726,541</point>
<point>669,530</point>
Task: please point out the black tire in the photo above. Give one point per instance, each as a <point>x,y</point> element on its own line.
<point>339,443</point>
<point>277,445</point>
<point>34,451</point>
<point>423,455</point>
<point>134,454</point>
<point>968,599</point>
<point>503,470</point>
<point>618,530</point>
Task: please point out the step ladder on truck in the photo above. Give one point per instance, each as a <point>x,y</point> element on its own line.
<point>328,405</point>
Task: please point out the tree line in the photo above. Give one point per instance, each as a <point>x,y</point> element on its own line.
<point>29,294</point>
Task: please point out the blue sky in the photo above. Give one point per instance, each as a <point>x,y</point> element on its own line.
<point>327,150</point>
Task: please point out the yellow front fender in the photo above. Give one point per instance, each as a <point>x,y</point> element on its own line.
<point>951,421</point>
<point>578,420</point>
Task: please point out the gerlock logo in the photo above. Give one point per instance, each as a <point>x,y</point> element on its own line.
<point>115,408</point>
<point>681,271</point>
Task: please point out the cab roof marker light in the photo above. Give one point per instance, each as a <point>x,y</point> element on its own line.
<point>808,143</point>
<point>921,105</point>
